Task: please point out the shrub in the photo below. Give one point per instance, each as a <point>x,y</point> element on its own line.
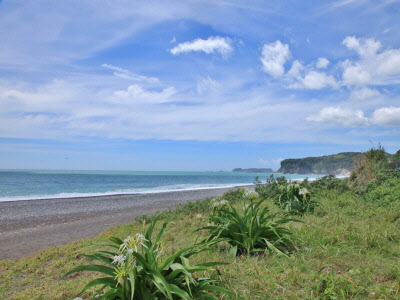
<point>134,270</point>
<point>385,190</point>
<point>295,200</point>
<point>234,195</point>
<point>396,156</point>
<point>248,231</point>
<point>368,165</point>
<point>329,182</point>
<point>271,189</point>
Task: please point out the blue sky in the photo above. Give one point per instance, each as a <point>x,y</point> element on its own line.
<point>195,85</point>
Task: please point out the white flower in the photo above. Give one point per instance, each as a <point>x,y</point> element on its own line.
<point>139,238</point>
<point>119,259</point>
<point>127,240</point>
<point>198,216</point>
<point>303,191</point>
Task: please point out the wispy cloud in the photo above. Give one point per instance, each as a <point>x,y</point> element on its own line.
<point>120,72</point>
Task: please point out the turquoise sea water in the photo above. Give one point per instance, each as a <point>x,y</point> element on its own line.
<point>42,184</point>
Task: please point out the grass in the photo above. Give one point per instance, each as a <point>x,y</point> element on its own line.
<point>348,248</point>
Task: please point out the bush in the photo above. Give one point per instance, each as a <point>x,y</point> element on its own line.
<point>330,182</point>
<point>385,190</point>
<point>134,270</point>
<point>248,231</point>
<point>368,165</point>
<point>295,200</point>
<point>271,189</point>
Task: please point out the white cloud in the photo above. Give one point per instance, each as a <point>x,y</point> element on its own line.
<point>356,75</point>
<point>122,73</point>
<point>274,57</point>
<point>364,47</point>
<point>340,116</point>
<point>322,63</point>
<point>364,94</point>
<point>301,77</point>
<point>314,80</point>
<point>136,93</point>
<point>375,66</point>
<point>210,45</point>
<point>387,116</point>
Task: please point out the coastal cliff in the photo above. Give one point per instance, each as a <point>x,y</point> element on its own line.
<point>341,163</point>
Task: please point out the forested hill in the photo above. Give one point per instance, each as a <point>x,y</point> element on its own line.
<point>341,163</point>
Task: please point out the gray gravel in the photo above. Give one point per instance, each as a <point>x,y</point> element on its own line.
<point>26,226</point>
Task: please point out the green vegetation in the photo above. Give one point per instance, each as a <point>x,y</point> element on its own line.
<point>396,156</point>
<point>135,270</point>
<point>295,200</point>
<point>249,231</point>
<point>328,164</point>
<point>347,248</point>
<point>367,168</point>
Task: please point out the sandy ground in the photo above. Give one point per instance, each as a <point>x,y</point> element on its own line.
<point>31,225</point>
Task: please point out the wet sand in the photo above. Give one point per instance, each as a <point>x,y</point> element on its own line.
<point>27,226</point>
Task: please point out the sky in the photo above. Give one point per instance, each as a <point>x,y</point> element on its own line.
<point>195,85</point>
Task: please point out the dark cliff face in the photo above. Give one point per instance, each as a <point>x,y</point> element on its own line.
<point>341,163</point>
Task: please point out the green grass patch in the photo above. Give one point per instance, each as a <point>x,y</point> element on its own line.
<point>349,248</point>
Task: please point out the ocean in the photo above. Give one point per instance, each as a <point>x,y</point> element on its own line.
<point>45,184</point>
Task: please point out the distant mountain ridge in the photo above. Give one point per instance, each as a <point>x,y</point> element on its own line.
<point>253,170</point>
<point>341,163</point>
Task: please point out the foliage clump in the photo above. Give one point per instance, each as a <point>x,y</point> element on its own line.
<point>329,182</point>
<point>368,165</point>
<point>295,200</point>
<point>385,191</point>
<point>134,269</point>
<point>272,187</point>
<point>248,231</point>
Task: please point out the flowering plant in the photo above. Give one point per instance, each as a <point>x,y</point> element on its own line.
<point>295,200</point>
<point>135,269</point>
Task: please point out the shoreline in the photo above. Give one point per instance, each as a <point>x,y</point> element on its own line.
<point>27,226</point>
<point>112,194</point>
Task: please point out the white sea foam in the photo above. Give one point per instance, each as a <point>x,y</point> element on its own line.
<point>159,189</point>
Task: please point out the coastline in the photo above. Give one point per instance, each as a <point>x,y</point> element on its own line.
<point>27,226</point>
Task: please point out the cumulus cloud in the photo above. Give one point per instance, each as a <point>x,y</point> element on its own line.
<point>322,63</point>
<point>274,57</point>
<point>387,116</point>
<point>211,45</point>
<point>340,116</point>
<point>301,77</point>
<point>122,73</point>
<point>375,66</point>
<point>364,47</point>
